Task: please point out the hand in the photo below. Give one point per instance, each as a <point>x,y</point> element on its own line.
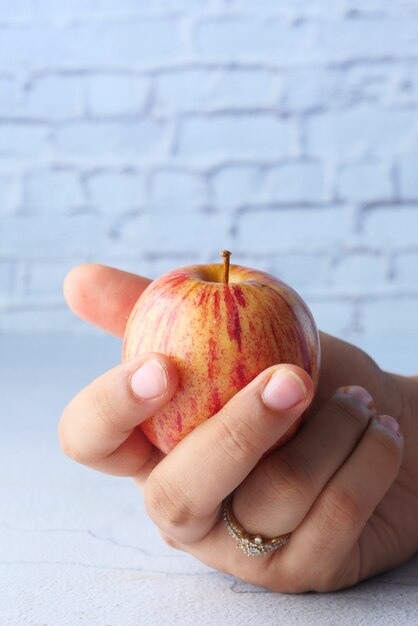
<point>345,485</point>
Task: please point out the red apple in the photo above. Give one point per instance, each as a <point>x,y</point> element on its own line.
<point>221,325</point>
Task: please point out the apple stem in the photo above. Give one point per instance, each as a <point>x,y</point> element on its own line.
<point>225,254</point>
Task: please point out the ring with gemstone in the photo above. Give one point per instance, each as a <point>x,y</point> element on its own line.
<point>248,543</point>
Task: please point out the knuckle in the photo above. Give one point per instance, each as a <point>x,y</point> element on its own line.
<point>169,541</point>
<point>348,409</point>
<point>324,581</point>
<point>324,584</point>
<point>324,574</point>
<point>339,572</point>
<point>344,507</point>
<point>333,579</point>
<point>289,477</point>
<point>166,504</point>
<point>288,577</point>
<point>388,448</point>
<point>102,406</point>
<point>295,582</point>
<point>237,440</point>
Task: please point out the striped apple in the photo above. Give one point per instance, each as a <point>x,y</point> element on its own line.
<point>221,325</point>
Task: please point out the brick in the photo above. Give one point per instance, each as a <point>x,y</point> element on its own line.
<point>243,135</point>
<point>296,182</point>
<point>397,316</point>
<point>127,263</point>
<point>408,175</point>
<point>16,8</point>
<point>118,41</point>
<point>19,139</point>
<point>7,193</point>
<point>148,265</point>
<point>268,231</point>
<point>359,131</point>
<point>403,84</point>
<point>183,89</point>
<point>7,277</point>
<point>306,41</point>
<point>51,236</point>
<point>391,226</point>
<point>333,316</point>
<point>370,38</point>
<point>362,83</point>
<point>300,271</point>
<point>98,7</point>
<point>115,137</point>
<point>211,89</point>
<point>296,8</point>
<point>114,94</point>
<point>244,88</point>
<point>155,267</point>
<point>244,38</point>
<point>402,8</point>
<point>182,4</point>
<point>8,97</point>
<point>27,45</point>
<point>111,192</point>
<point>365,182</point>
<point>237,185</point>
<point>52,190</point>
<point>184,233</point>
<point>176,190</point>
<point>406,269</point>
<point>41,319</point>
<point>307,89</point>
<point>132,41</point>
<point>46,278</point>
<point>49,7</point>
<point>54,97</point>
<point>359,272</point>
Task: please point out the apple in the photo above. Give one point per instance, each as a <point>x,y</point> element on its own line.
<point>222,325</point>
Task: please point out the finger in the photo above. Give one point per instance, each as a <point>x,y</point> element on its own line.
<point>329,534</point>
<point>103,295</point>
<point>343,363</point>
<point>322,554</point>
<point>98,427</point>
<point>277,495</point>
<point>184,492</point>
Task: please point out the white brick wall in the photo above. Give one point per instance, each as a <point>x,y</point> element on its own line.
<point>149,135</point>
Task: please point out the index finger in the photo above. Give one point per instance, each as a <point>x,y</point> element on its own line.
<point>103,295</point>
<point>184,492</point>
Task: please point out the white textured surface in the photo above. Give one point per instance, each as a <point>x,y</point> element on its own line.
<point>76,547</point>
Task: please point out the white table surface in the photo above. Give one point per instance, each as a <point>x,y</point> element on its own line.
<point>76,546</point>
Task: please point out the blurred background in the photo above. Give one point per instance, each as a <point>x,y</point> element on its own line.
<point>149,135</point>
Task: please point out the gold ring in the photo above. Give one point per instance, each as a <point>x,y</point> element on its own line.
<point>250,544</point>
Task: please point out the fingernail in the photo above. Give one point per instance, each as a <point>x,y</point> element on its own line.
<point>389,422</point>
<point>149,380</point>
<point>284,390</point>
<point>361,394</point>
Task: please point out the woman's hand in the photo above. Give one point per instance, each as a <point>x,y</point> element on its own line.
<point>344,486</point>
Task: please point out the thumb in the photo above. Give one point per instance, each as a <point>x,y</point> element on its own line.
<point>98,426</point>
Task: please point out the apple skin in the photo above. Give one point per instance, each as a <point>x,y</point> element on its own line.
<point>220,336</point>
